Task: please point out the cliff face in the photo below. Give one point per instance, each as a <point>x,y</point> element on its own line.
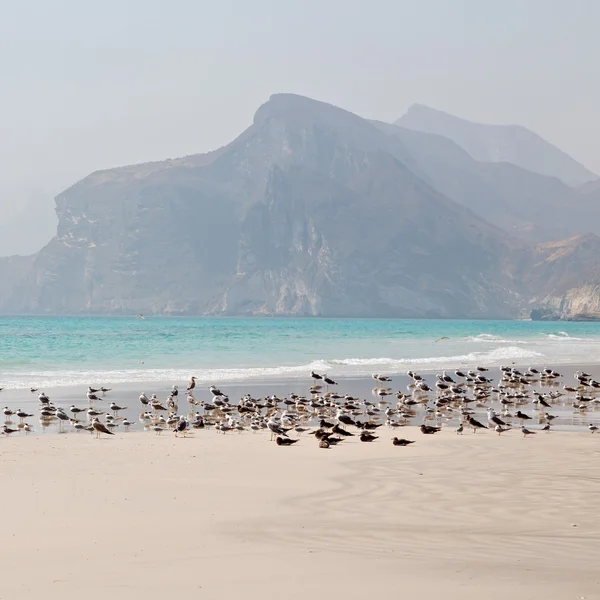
<point>564,276</point>
<point>311,211</point>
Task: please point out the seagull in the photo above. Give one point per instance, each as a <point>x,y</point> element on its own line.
<point>336,430</point>
<point>191,384</point>
<point>501,429</point>
<point>157,406</point>
<point>174,391</point>
<point>475,424</point>
<point>215,391</point>
<point>144,399</point>
<point>526,431</point>
<point>316,376</point>
<point>329,381</point>
<point>285,441</point>
<point>99,428</point>
<point>401,442</point>
<point>33,390</point>
<point>344,419</point>
<point>522,416</point>
<point>367,437</point>
<point>116,408</point>
<point>181,426</point>
<point>459,429</point>
<point>276,428</point>
<point>8,413</point>
<point>446,378</point>
<point>494,419</point>
<point>429,429</point>
<point>593,428</point>
<point>7,430</point>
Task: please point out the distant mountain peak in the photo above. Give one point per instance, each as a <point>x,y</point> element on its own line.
<point>514,144</point>
<point>285,105</point>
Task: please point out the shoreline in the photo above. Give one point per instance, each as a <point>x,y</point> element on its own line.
<point>279,381</point>
<point>127,395</point>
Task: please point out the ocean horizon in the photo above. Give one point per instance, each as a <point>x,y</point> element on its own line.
<point>57,351</point>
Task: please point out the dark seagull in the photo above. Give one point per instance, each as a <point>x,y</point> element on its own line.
<point>339,431</point>
<point>475,424</point>
<point>401,442</point>
<point>329,381</point>
<point>285,441</point>
<point>100,427</point>
<point>181,427</point>
<point>522,416</point>
<point>316,376</point>
<point>429,429</point>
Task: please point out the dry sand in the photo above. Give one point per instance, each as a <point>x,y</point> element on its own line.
<point>213,516</point>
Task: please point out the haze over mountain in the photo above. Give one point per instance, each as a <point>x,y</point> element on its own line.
<point>527,205</point>
<point>311,211</point>
<point>499,143</point>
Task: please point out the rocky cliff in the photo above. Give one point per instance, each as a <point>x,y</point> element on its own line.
<point>311,211</point>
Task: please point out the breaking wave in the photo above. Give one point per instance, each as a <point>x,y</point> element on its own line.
<point>353,367</point>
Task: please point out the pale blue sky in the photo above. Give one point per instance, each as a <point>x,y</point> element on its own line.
<point>94,84</point>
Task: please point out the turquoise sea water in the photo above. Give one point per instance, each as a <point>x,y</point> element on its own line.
<point>57,351</point>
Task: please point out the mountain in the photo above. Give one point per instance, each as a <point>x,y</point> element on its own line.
<point>310,211</point>
<point>564,276</point>
<point>527,205</point>
<point>499,143</point>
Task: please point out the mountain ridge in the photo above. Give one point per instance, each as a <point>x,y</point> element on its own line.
<point>312,210</point>
<point>499,143</point>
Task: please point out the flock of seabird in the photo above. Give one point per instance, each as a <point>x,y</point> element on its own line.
<point>466,400</point>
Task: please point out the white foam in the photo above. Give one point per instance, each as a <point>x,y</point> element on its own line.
<point>335,367</point>
<point>565,337</point>
<point>487,338</point>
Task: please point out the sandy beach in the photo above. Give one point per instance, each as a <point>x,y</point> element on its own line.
<point>237,516</point>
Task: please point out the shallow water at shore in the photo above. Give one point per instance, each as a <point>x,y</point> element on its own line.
<point>127,395</point>
<point>53,352</point>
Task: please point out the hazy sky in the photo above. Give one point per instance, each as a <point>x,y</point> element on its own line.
<point>91,84</point>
